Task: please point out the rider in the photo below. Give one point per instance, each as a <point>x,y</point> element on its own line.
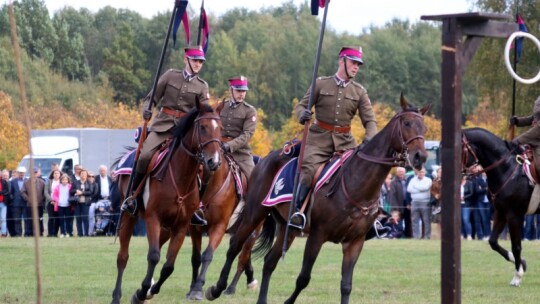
<point>532,136</point>
<point>176,94</point>
<point>337,98</point>
<point>239,123</point>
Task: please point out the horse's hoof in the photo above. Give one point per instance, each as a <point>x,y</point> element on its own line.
<point>149,294</point>
<point>229,291</point>
<point>135,300</point>
<point>208,294</point>
<point>253,285</point>
<point>195,296</point>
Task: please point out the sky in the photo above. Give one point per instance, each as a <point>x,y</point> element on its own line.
<point>343,15</point>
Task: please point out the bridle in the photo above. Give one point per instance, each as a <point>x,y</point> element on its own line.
<point>399,158</point>
<point>198,154</point>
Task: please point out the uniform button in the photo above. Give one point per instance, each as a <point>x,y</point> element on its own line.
<point>338,106</point>
<point>183,91</point>
<point>339,92</point>
<point>335,119</point>
<point>229,118</point>
<point>337,112</point>
<point>339,99</point>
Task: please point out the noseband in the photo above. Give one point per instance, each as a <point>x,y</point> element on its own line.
<point>199,155</point>
<point>399,158</point>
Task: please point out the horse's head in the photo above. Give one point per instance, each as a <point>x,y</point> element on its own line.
<point>410,129</point>
<point>200,132</point>
<point>481,147</point>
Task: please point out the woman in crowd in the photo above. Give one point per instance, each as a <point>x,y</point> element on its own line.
<point>53,223</point>
<point>83,190</point>
<point>60,199</point>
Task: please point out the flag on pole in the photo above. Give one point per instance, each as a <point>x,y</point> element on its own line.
<point>315,4</point>
<point>206,30</point>
<point>519,41</point>
<point>181,16</point>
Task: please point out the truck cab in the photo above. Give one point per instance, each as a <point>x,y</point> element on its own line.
<point>47,150</point>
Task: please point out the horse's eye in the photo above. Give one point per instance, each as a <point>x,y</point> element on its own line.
<point>407,123</point>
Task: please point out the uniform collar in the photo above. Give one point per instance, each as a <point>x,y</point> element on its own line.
<point>341,82</point>
<point>233,104</point>
<point>187,75</point>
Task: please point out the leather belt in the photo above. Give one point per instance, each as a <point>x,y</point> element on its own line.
<point>329,127</point>
<point>226,138</point>
<point>172,112</point>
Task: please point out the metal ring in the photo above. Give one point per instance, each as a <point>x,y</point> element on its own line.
<point>507,56</point>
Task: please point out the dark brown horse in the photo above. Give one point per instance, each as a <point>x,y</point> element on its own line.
<point>219,200</point>
<point>509,190</point>
<point>342,211</point>
<point>169,203</point>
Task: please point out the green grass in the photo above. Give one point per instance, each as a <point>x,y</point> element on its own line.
<point>79,270</point>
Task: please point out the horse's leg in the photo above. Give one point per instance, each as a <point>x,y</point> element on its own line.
<point>196,239</point>
<point>125,232</point>
<point>499,222</point>
<point>153,235</point>
<point>351,252</point>
<point>271,260</point>
<point>215,235</point>
<point>244,264</point>
<point>515,228</point>
<point>235,245</point>
<point>313,247</point>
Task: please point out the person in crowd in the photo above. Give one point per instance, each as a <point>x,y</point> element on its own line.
<point>54,167</point>
<point>485,210</point>
<point>39,187</point>
<point>436,188</point>
<point>17,204</point>
<point>176,94</point>
<point>4,202</point>
<point>93,201</point>
<point>337,99</point>
<point>60,197</point>
<point>53,222</point>
<point>84,191</point>
<point>467,194</point>
<point>394,224</point>
<point>398,193</point>
<point>239,121</point>
<point>103,183</point>
<point>76,173</point>
<point>479,193</point>
<point>384,200</point>
<point>420,189</point>
<point>9,216</point>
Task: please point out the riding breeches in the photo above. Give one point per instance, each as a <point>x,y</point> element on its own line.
<point>150,146</point>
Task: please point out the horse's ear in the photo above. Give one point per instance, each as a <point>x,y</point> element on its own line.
<point>220,106</point>
<point>425,108</point>
<point>403,101</point>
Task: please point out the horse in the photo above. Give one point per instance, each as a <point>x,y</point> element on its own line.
<point>171,198</point>
<point>219,200</point>
<point>509,190</point>
<point>342,211</point>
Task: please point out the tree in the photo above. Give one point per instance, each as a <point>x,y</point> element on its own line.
<point>123,62</point>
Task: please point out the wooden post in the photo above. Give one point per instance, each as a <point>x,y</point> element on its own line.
<point>456,55</point>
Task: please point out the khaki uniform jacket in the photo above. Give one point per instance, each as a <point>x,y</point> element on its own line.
<point>175,92</point>
<point>531,137</point>
<point>239,124</point>
<point>336,106</point>
<point>39,187</point>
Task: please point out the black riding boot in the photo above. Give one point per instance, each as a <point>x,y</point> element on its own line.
<point>298,219</point>
<point>130,203</point>
<point>198,218</point>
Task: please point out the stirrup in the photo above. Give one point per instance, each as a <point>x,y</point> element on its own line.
<point>130,206</point>
<point>198,218</point>
<point>297,220</point>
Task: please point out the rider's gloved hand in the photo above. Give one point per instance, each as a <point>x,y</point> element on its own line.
<point>147,114</point>
<point>306,116</point>
<point>513,120</point>
<point>226,148</point>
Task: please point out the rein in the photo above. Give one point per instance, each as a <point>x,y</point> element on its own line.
<point>399,158</point>
<point>365,210</point>
<point>198,155</point>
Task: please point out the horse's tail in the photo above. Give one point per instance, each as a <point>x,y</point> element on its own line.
<point>266,238</point>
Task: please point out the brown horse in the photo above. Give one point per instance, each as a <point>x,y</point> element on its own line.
<point>219,200</point>
<point>170,202</point>
<point>343,211</point>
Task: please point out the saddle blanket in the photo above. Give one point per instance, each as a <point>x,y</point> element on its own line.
<point>281,189</point>
<point>125,165</point>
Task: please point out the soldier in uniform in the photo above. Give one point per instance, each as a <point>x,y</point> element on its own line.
<point>337,99</point>
<point>532,136</point>
<point>176,94</point>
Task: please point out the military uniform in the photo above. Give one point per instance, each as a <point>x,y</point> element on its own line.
<point>176,94</point>
<point>532,136</point>
<point>239,123</point>
<point>335,104</point>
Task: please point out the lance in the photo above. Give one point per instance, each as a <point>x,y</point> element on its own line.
<point>200,24</point>
<point>306,125</point>
<point>178,5</point>
<point>512,128</point>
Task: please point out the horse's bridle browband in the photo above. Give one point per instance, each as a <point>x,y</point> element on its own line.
<point>199,154</point>
<point>400,158</point>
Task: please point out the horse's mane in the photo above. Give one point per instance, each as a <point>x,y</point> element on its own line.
<point>185,123</point>
<point>493,141</point>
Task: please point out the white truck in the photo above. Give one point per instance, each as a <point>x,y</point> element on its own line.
<point>89,147</point>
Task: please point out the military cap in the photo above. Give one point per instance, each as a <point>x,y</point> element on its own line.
<point>195,52</point>
<point>239,83</point>
<point>352,53</point>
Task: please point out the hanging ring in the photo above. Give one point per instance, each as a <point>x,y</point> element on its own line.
<point>507,56</point>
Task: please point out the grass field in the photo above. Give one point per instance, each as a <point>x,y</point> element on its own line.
<point>83,270</point>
